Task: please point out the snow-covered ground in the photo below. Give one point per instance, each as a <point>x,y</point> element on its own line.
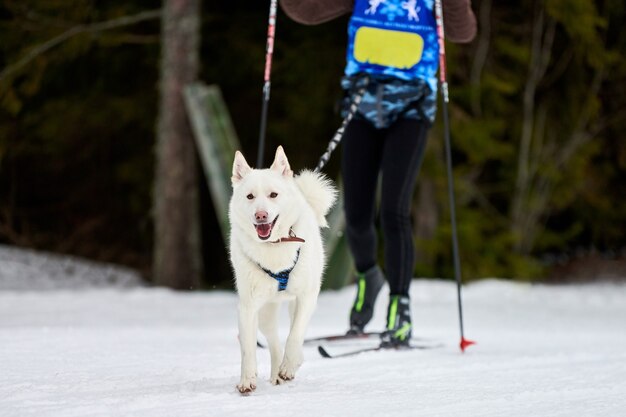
<point>116,349</point>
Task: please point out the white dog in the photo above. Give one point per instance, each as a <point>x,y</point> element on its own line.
<point>277,254</point>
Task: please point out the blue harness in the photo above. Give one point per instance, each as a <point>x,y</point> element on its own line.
<point>283,276</point>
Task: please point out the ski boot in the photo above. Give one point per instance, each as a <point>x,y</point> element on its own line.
<point>398,332</point>
<point>369,284</point>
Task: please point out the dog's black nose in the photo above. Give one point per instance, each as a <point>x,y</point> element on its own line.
<point>261,216</point>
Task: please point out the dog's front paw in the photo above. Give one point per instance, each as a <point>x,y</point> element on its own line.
<point>247,385</point>
<point>291,363</point>
<point>288,369</point>
<point>287,373</point>
<point>276,380</point>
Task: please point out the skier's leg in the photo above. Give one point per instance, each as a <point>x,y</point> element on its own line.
<point>404,150</point>
<point>362,150</point>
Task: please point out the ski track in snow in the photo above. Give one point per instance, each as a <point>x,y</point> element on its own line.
<point>124,351</point>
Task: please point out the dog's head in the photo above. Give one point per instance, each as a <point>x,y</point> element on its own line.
<point>263,199</point>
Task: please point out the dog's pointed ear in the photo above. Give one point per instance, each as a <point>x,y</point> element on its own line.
<point>240,168</point>
<point>281,164</point>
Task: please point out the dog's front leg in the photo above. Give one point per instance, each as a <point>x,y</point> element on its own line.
<point>268,324</point>
<point>304,306</point>
<point>247,342</point>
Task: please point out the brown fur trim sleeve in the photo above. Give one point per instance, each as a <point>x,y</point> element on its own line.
<point>459,22</point>
<point>313,12</point>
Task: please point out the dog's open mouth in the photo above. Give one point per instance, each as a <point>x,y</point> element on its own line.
<point>263,230</point>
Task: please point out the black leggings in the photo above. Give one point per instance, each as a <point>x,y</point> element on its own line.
<point>397,153</point>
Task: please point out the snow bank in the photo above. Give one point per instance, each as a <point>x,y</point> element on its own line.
<point>27,270</point>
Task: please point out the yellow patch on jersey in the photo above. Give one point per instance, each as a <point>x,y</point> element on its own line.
<point>389,48</point>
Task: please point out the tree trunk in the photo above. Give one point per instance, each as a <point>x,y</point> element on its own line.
<point>177,259</point>
<point>540,56</point>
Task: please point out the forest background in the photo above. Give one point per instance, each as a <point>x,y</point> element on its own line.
<point>538,111</point>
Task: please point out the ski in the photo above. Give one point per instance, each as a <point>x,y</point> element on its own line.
<point>348,337</point>
<point>326,354</point>
<point>345,337</point>
<point>341,337</point>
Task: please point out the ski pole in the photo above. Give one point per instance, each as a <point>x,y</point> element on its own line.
<point>269,52</point>
<point>446,126</point>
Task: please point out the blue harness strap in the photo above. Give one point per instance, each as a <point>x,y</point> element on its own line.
<point>283,276</point>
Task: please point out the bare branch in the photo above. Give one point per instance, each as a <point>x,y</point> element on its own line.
<point>546,49</point>
<point>480,56</point>
<point>76,30</point>
<point>538,53</point>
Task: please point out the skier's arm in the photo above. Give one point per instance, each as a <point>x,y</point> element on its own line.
<point>313,12</point>
<point>459,21</point>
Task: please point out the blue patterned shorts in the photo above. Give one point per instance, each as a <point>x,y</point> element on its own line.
<point>389,99</point>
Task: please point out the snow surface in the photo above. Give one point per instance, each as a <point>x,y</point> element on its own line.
<point>119,350</point>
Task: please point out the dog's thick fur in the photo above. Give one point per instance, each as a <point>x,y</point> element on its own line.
<point>267,205</point>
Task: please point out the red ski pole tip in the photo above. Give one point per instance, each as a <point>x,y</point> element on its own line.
<point>465,343</point>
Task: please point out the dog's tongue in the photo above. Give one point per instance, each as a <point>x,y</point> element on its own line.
<point>264,230</point>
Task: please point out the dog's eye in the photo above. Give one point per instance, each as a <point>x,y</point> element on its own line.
<point>273,195</point>
<point>250,196</point>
